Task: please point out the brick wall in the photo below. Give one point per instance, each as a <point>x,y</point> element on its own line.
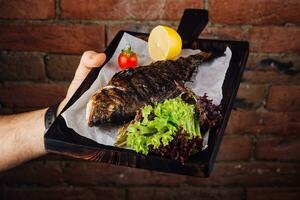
<point>40,46</point>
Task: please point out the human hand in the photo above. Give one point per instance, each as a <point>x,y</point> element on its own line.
<point>89,60</point>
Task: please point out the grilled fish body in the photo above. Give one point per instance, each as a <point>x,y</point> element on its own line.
<point>131,89</point>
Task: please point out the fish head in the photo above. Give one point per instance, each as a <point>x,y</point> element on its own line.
<point>103,109</point>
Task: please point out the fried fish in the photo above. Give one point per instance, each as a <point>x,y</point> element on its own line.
<point>131,89</point>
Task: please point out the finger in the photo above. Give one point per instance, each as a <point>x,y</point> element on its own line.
<point>89,60</point>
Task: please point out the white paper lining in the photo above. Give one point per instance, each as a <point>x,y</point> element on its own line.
<point>208,79</point>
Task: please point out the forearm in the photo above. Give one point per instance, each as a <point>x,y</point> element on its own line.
<point>21,138</point>
<point>22,135</point>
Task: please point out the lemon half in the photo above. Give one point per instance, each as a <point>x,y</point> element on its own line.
<point>164,43</point>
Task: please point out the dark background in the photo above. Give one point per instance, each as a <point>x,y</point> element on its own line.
<point>40,46</point>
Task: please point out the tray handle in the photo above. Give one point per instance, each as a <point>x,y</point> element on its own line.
<point>192,23</point>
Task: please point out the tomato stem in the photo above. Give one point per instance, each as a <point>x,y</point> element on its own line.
<point>127,52</point>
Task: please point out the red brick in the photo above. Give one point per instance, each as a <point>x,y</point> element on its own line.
<point>27,9</point>
<point>121,9</point>
<point>31,96</point>
<point>111,174</point>
<point>151,193</point>
<point>275,39</point>
<point>166,179</point>
<point>113,29</point>
<point>235,148</point>
<point>278,149</point>
<point>293,123</point>
<point>277,123</point>
<point>250,174</point>
<point>33,173</point>
<point>242,121</point>
<point>270,76</point>
<point>284,98</point>
<point>170,10</point>
<point>228,33</point>
<point>65,192</point>
<point>273,193</point>
<point>61,67</point>
<point>52,37</point>
<point>273,123</point>
<point>21,67</point>
<point>254,12</point>
<point>250,95</point>
<point>254,60</point>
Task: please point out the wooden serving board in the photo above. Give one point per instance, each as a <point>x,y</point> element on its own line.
<point>63,140</point>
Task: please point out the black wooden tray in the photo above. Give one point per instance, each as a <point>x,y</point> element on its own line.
<point>63,140</point>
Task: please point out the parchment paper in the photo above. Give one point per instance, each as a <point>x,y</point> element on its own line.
<point>208,79</point>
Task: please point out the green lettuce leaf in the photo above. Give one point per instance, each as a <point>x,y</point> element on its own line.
<point>165,121</point>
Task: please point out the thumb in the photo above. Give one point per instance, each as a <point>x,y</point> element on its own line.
<point>89,60</point>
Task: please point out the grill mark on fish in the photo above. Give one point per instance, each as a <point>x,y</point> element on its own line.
<point>166,77</point>
<point>131,89</point>
<point>151,76</point>
<point>115,97</point>
<point>149,83</point>
<point>171,72</point>
<point>135,92</point>
<point>138,86</point>
<point>126,96</point>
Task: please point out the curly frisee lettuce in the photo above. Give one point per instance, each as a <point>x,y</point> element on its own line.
<point>160,123</point>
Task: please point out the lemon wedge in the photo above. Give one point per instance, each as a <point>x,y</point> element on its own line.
<point>164,43</point>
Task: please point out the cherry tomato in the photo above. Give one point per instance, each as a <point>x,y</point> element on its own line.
<point>127,59</point>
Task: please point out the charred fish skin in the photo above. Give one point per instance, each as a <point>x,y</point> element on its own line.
<point>131,89</point>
